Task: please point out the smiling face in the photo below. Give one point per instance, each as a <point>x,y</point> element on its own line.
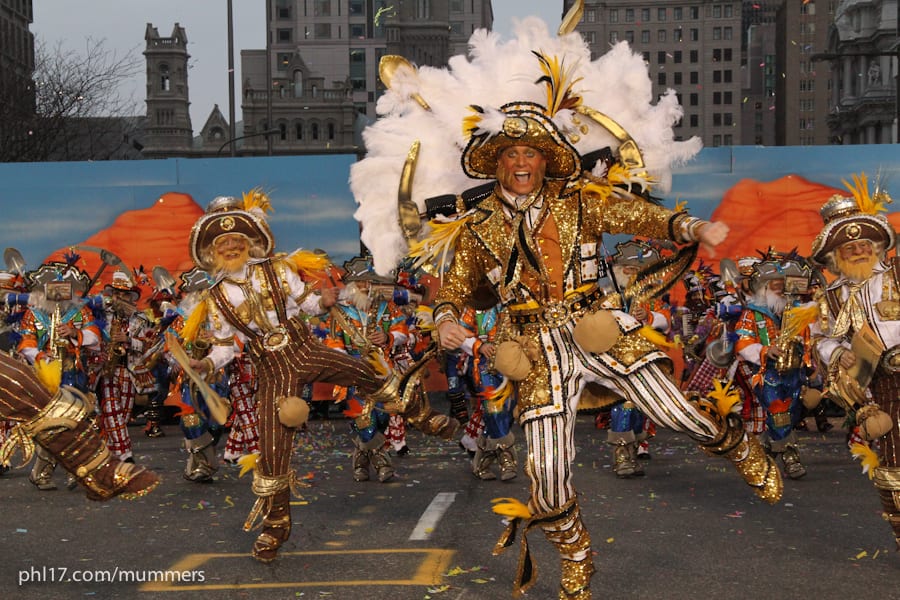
<point>856,260</point>
<point>520,169</point>
<point>231,251</point>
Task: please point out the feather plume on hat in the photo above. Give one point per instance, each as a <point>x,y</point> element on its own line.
<point>534,67</point>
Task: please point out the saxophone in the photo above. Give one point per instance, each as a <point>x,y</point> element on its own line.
<point>115,351</point>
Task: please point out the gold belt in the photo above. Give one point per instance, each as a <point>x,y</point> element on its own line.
<point>556,313</point>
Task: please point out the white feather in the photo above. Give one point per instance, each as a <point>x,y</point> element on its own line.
<point>494,73</point>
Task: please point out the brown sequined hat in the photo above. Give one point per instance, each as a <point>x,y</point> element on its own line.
<point>525,124</point>
<point>845,222</point>
<point>222,217</point>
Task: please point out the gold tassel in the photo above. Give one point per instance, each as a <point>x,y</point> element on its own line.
<point>510,507</point>
<point>49,374</point>
<point>867,457</point>
<point>192,325</point>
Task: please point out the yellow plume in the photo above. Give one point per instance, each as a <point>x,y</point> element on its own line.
<point>795,320</point>
<point>376,360</point>
<point>49,374</point>
<point>309,263</point>
<point>248,462</point>
<point>471,122</point>
<point>257,198</point>
<point>437,246</point>
<point>192,325</point>
<point>559,82</point>
<point>726,397</point>
<point>867,457</point>
<point>680,206</point>
<point>510,507</point>
<point>870,205</point>
<point>657,338</point>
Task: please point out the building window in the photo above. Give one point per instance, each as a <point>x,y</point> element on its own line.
<point>728,13</point>
<point>678,35</point>
<point>613,37</point>
<point>717,141</point>
<point>717,11</point>
<point>661,78</point>
<point>726,75</point>
<point>358,68</point>
<point>694,121</point>
<point>456,27</point>
<point>695,99</point>
<point>614,15</point>
<point>695,57</point>
<point>695,78</point>
<point>717,76</point>
<point>717,119</point>
<point>717,97</point>
<point>165,83</point>
<point>717,55</point>
<point>283,9</point>
<point>456,6</point>
<point>645,36</point>
<point>677,77</point>
<point>322,8</point>
<point>590,37</point>
<point>423,9</point>
<point>298,131</point>
<point>645,15</point>
<point>728,98</point>
<point>282,59</point>
<point>660,14</point>
<point>717,33</point>
<point>330,131</point>
<point>357,31</point>
<point>322,31</point>
<point>676,57</point>
<point>695,35</point>
<point>629,15</point>
<point>727,33</point>
<point>284,36</point>
<point>728,119</point>
<point>646,57</point>
<point>661,35</point>
<point>357,8</point>
<point>728,56</point>
<point>678,13</point>
<point>695,12</point>
<point>661,57</point>
<point>590,15</point>
<point>629,37</point>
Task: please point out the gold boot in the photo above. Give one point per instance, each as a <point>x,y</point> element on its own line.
<point>573,542</point>
<point>746,454</point>
<point>273,503</point>
<point>887,481</point>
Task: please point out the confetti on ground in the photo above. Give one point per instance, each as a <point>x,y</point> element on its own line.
<point>438,590</point>
<point>610,540</point>
<point>229,503</point>
<point>736,514</point>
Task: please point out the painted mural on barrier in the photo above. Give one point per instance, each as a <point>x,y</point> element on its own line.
<point>143,211</point>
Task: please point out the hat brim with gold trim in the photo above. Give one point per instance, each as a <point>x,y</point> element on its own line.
<point>846,224</point>
<point>212,225</point>
<point>525,125</point>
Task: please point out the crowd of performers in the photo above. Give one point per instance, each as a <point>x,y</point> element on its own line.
<point>768,329</point>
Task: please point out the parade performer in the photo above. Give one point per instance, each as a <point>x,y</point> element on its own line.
<point>535,237</point>
<point>58,326</point>
<point>259,297</point>
<point>120,349</point>
<point>777,352</point>
<point>858,335</point>
<point>243,438</point>
<point>364,321</point>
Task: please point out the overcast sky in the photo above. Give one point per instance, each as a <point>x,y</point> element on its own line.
<point>121,25</point>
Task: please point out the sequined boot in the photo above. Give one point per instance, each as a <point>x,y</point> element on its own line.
<point>506,456</point>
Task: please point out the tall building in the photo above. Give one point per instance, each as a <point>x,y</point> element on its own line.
<point>760,70</point>
<point>168,130</point>
<point>691,46</point>
<point>863,52</point>
<point>17,104</point>
<point>316,85</point>
<point>803,89</point>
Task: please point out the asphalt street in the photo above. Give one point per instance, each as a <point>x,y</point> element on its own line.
<point>689,528</point>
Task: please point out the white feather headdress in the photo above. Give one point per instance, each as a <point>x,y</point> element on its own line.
<point>496,73</point>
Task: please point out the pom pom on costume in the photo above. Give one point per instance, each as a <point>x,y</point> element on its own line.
<point>596,332</point>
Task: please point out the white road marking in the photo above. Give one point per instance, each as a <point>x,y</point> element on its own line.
<point>432,515</point>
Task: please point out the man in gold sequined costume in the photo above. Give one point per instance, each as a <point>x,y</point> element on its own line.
<point>536,241</point>
<point>863,303</point>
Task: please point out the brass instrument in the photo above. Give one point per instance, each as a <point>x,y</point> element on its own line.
<point>791,353</point>
<point>116,351</point>
<point>55,343</point>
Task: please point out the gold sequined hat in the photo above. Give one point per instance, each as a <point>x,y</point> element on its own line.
<point>846,222</point>
<point>524,124</point>
<point>224,215</point>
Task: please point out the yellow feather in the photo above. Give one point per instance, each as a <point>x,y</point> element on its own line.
<point>194,321</point>
<point>257,198</point>
<point>471,122</point>
<point>860,190</point>
<point>310,263</point>
<point>437,245</point>
<point>680,206</point>
<point>510,507</point>
<point>376,360</point>
<point>656,337</point>
<point>49,374</point>
<point>726,397</point>
<point>868,458</point>
<point>559,82</point>
<point>248,462</point>
<point>795,320</point>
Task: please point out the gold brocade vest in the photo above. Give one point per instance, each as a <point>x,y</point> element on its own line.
<point>547,240</point>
